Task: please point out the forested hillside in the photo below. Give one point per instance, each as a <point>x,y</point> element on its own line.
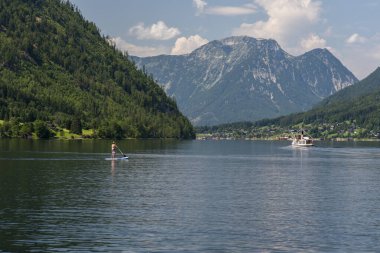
<point>57,71</point>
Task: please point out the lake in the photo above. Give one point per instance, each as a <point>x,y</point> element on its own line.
<point>189,196</point>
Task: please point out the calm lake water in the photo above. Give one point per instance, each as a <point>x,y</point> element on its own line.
<point>189,196</point>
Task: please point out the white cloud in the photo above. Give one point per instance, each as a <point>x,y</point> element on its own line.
<point>200,4</point>
<point>137,50</point>
<point>288,20</point>
<point>313,41</point>
<point>185,45</point>
<point>182,45</point>
<point>231,10</point>
<point>356,38</point>
<point>158,31</point>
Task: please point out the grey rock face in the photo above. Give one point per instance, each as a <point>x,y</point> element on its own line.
<point>246,79</point>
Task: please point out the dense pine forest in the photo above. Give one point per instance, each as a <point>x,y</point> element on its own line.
<point>58,72</point>
<point>353,112</point>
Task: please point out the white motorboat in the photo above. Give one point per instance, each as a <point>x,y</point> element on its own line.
<point>302,141</point>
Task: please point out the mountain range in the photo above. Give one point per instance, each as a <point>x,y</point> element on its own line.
<point>246,79</point>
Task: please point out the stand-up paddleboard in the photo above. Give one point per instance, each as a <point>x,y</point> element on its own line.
<point>113,152</point>
<point>117,158</point>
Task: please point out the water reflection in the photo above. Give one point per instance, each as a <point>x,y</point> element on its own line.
<point>113,168</point>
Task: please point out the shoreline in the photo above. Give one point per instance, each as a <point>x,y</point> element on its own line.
<point>283,139</point>
<point>75,137</point>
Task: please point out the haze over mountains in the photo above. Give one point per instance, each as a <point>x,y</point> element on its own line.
<point>246,79</point>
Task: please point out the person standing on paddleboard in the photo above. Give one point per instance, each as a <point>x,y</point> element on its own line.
<point>113,148</point>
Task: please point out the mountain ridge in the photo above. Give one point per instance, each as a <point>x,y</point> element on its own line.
<point>357,103</point>
<point>367,85</point>
<point>351,113</point>
<point>246,79</point>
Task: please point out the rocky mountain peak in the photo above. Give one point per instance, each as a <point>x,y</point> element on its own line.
<point>245,79</point>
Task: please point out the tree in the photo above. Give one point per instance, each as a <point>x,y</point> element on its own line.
<point>26,130</point>
<point>76,126</point>
<point>42,130</point>
<point>56,67</point>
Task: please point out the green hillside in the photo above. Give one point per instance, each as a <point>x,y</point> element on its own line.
<point>353,112</point>
<point>57,71</point>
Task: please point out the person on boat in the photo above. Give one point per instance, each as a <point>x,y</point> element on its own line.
<point>113,149</point>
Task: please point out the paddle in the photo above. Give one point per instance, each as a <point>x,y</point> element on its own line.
<point>121,152</point>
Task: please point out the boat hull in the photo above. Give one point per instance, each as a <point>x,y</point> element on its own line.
<point>303,143</point>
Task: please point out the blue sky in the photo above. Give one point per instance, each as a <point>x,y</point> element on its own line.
<point>350,29</point>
